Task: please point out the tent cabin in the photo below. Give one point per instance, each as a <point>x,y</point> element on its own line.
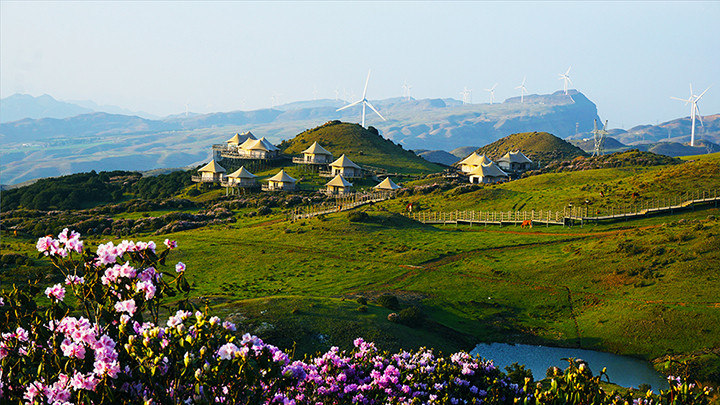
<point>346,167</point>
<point>515,162</point>
<point>255,149</point>
<point>230,147</point>
<point>488,174</point>
<point>338,185</point>
<point>210,173</point>
<point>472,162</point>
<point>280,182</point>
<point>238,138</point>
<point>315,154</point>
<point>241,178</point>
<point>386,185</point>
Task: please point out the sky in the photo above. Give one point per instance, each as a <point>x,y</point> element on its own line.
<point>162,57</point>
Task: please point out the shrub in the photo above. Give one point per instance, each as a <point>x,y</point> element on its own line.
<point>362,308</point>
<point>357,216</point>
<point>411,316</point>
<point>388,301</point>
<point>362,301</point>
<point>264,210</point>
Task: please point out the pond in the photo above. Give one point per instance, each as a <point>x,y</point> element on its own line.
<point>622,370</point>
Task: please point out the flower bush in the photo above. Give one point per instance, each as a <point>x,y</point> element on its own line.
<point>109,345</point>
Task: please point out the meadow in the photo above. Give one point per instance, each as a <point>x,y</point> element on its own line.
<point>646,288</point>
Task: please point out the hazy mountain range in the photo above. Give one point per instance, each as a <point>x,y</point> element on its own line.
<point>57,142</point>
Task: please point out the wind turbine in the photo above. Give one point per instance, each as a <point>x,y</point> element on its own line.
<point>364,101</point>
<point>492,93</point>
<point>523,90</point>
<point>566,79</point>
<point>599,138</point>
<point>406,91</point>
<point>694,110</point>
<point>467,95</point>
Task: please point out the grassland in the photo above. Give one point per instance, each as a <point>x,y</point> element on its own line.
<point>647,288</point>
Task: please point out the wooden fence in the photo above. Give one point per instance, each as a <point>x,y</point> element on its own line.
<point>341,203</point>
<point>572,214</point>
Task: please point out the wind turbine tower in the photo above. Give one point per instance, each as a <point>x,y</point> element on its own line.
<point>599,138</point>
<point>523,90</point>
<point>492,93</point>
<point>565,77</point>
<point>694,110</point>
<point>364,101</point>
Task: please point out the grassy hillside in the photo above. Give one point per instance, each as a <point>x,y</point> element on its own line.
<point>362,146</point>
<point>646,288</point>
<point>538,146</point>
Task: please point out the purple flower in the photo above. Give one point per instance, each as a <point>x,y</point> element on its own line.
<point>180,267</point>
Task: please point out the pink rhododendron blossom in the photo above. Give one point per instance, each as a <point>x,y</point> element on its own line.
<point>180,267</point>
<point>171,244</point>
<point>227,351</point>
<point>126,270</point>
<point>56,292</point>
<point>107,253</point>
<point>74,280</point>
<point>126,306</point>
<point>147,287</point>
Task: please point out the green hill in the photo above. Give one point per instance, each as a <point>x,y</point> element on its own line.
<point>538,146</point>
<point>362,146</point>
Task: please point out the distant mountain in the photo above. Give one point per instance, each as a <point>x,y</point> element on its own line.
<point>538,146</point>
<point>438,156</point>
<point>111,109</point>
<point>677,130</point>
<point>361,145</point>
<point>20,106</point>
<point>34,148</point>
<point>678,149</point>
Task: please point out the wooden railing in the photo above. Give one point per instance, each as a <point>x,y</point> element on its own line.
<point>341,203</point>
<point>571,215</point>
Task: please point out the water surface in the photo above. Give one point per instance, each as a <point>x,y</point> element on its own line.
<point>622,370</point>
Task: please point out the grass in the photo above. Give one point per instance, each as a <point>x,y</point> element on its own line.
<point>645,288</point>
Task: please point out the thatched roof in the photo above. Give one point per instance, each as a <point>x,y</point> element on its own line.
<point>339,181</point>
<point>316,149</point>
<point>474,160</point>
<point>242,173</point>
<point>282,177</point>
<point>344,162</point>
<point>488,170</point>
<point>268,145</point>
<point>212,167</point>
<point>387,184</point>
<point>515,157</point>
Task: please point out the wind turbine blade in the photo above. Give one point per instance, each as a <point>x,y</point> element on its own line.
<point>691,92</point>
<point>349,105</point>
<point>702,94</point>
<point>366,84</point>
<point>376,111</point>
<point>568,71</point>
<point>605,126</point>
<point>681,99</point>
<point>595,125</point>
<point>697,114</point>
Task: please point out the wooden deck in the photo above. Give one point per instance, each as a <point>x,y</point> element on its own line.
<point>342,203</point>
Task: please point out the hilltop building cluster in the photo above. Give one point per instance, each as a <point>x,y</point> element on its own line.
<point>481,170</point>
<point>246,148</point>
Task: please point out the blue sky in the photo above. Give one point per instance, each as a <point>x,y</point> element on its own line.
<point>627,57</point>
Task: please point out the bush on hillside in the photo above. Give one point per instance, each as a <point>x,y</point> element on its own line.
<point>357,216</point>
<point>388,301</point>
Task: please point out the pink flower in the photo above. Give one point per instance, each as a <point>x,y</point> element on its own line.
<point>180,267</point>
<point>107,253</point>
<point>56,292</point>
<point>43,244</point>
<point>126,270</point>
<point>126,306</point>
<point>227,351</point>
<point>171,244</point>
<point>74,280</point>
<point>71,349</point>
<point>147,287</point>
